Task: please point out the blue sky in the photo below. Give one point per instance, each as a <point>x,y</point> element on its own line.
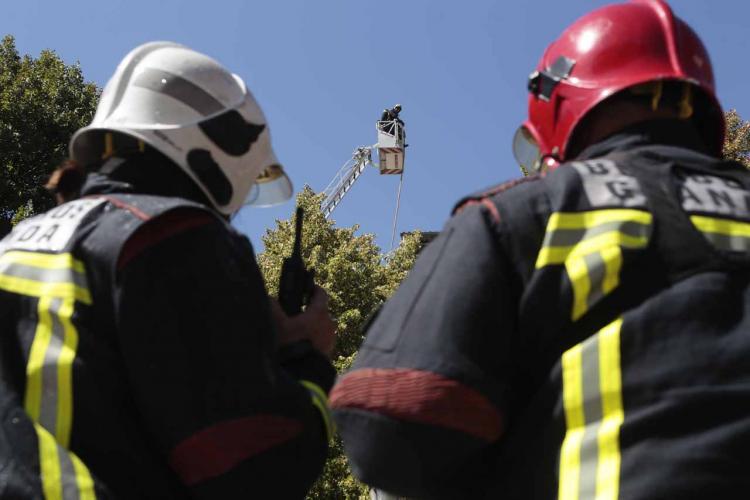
<point>324,70</point>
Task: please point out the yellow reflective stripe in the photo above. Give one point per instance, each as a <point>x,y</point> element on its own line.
<point>585,220</point>
<point>558,255</point>
<point>35,364</point>
<point>573,386</point>
<point>570,464</point>
<point>84,481</point>
<point>33,288</point>
<point>579,279</point>
<point>320,400</point>
<point>593,409</point>
<point>51,455</point>
<point>724,234</point>
<point>44,260</point>
<point>65,374</point>
<point>612,257</point>
<point>14,281</point>
<point>58,281</point>
<point>49,464</point>
<point>570,455</point>
<point>610,380</point>
<point>726,227</point>
<point>590,245</point>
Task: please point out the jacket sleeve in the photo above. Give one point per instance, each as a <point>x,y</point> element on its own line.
<point>198,343</point>
<point>427,399</point>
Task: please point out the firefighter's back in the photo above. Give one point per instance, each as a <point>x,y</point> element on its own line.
<point>637,309</point>
<point>69,426</point>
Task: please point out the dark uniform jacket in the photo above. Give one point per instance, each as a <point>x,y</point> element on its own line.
<point>389,115</point>
<point>584,334</point>
<point>138,359</point>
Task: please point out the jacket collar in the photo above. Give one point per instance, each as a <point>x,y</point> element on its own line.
<point>148,173</point>
<point>658,132</point>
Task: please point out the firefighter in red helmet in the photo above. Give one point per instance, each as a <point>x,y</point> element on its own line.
<point>580,332</point>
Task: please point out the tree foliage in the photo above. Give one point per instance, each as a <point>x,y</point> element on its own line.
<point>358,279</point>
<point>737,142</point>
<point>42,102</point>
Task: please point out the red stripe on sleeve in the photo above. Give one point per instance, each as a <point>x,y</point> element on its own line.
<point>219,448</point>
<point>419,396</point>
<point>160,229</point>
<point>486,202</point>
<point>492,209</point>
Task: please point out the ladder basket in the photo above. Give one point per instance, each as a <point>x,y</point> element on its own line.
<point>391,135</point>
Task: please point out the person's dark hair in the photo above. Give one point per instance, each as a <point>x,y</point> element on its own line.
<point>66,181</point>
<point>677,100</point>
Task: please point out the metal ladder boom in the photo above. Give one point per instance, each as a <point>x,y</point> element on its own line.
<point>345,178</point>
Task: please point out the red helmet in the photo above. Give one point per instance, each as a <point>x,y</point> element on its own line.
<point>604,52</point>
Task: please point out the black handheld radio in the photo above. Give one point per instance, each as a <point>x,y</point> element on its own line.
<point>296,283</point>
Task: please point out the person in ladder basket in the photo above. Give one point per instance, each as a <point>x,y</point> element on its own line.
<point>582,332</point>
<point>141,356</point>
<point>392,115</point>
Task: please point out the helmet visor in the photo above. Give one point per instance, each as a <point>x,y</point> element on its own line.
<point>271,188</point>
<point>526,151</point>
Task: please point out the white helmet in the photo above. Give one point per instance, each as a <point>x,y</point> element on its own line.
<point>190,108</point>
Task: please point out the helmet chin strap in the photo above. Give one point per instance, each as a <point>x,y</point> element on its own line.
<point>109,146</point>
<point>121,145</point>
<point>111,164</point>
<point>545,164</point>
<point>548,163</point>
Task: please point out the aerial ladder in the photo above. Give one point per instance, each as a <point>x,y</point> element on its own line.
<point>390,148</point>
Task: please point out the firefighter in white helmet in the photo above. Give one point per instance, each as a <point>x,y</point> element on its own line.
<point>142,357</point>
